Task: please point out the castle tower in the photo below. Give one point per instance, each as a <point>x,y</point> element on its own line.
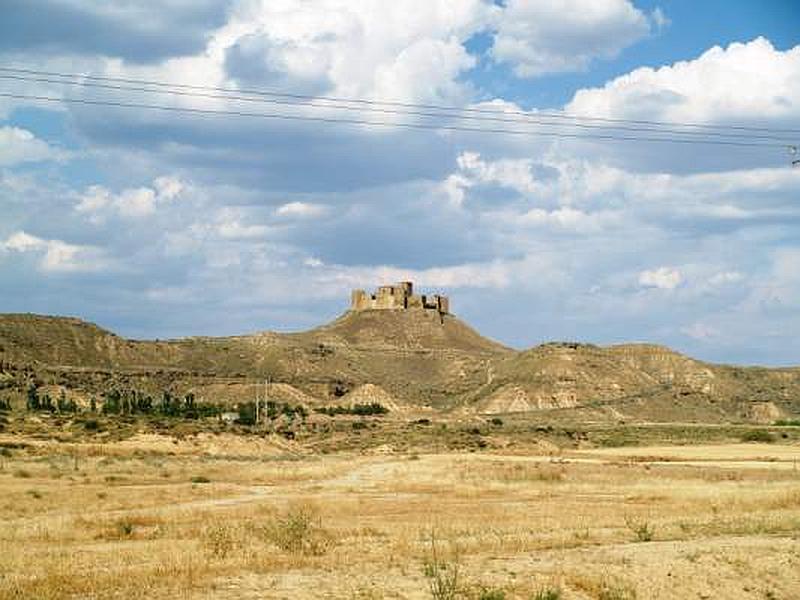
<point>398,297</point>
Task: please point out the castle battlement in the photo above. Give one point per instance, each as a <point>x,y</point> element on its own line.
<point>398,297</point>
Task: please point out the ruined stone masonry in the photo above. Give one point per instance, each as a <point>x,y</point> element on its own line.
<point>398,297</point>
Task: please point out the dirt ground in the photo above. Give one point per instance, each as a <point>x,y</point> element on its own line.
<point>221,517</point>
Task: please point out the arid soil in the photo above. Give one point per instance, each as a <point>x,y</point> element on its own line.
<point>231,516</point>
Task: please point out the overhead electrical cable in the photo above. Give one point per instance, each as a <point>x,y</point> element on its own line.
<point>410,105</point>
<point>381,110</point>
<point>353,121</point>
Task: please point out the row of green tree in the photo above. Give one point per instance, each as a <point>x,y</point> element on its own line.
<point>364,410</point>
<point>168,405</point>
<point>46,403</point>
<point>272,410</point>
<point>126,402</point>
<point>133,402</point>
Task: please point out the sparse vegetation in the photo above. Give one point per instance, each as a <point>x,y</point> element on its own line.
<point>643,530</point>
<point>443,575</point>
<point>348,524</point>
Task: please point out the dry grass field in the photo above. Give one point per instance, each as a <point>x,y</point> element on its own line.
<point>221,516</point>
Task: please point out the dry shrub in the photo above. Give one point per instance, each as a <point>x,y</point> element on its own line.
<point>220,540</point>
<point>131,527</point>
<point>643,530</point>
<point>443,575</point>
<point>299,531</point>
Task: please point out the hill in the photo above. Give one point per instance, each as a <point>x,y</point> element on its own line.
<point>414,358</point>
<point>410,330</point>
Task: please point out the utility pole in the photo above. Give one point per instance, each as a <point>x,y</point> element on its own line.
<point>267,383</point>
<point>256,406</point>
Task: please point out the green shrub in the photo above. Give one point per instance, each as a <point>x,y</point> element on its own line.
<point>124,528</point>
<point>200,479</point>
<point>491,594</point>
<point>548,593</point>
<point>758,435</point>
<point>788,422</point>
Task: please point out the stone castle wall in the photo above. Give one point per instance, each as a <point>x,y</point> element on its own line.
<point>398,297</point>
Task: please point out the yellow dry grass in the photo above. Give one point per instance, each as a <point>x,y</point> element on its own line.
<point>156,521</point>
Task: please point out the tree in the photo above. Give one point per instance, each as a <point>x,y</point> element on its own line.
<point>33,398</point>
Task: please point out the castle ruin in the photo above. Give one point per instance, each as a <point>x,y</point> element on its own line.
<point>398,297</point>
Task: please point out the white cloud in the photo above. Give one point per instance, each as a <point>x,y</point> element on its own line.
<point>496,274</point>
<point>232,224</point>
<point>98,202</point>
<point>23,242</point>
<point>726,278</point>
<point>660,20</point>
<point>745,82</point>
<point>407,50</point>
<point>301,210</point>
<point>168,187</point>
<point>138,202</point>
<point>20,146</point>
<point>700,331</point>
<point>512,174</point>
<point>55,255</point>
<point>550,36</point>
<point>568,219</point>
<point>663,278</point>
<point>312,262</point>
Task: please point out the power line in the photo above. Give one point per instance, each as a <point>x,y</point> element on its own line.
<point>349,121</point>
<point>360,101</point>
<point>403,112</point>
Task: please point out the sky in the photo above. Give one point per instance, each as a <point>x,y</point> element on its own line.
<point>160,224</point>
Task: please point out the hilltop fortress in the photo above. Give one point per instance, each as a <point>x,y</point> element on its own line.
<point>398,297</point>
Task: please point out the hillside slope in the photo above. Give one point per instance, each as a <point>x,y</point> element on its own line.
<point>419,358</point>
